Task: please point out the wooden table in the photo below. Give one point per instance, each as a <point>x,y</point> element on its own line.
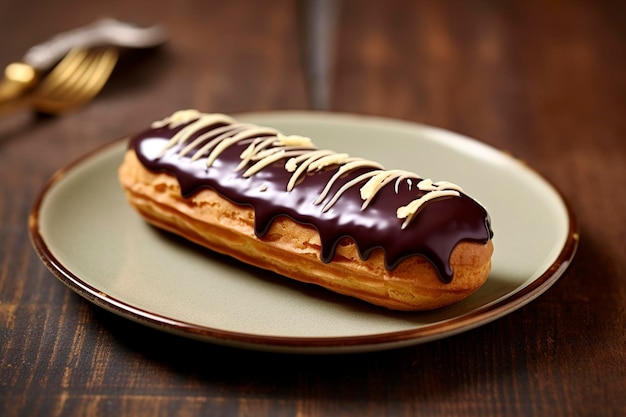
<point>543,80</point>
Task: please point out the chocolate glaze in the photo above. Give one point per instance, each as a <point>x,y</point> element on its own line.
<point>437,228</point>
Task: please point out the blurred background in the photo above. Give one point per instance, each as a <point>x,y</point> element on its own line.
<point>470,66</point>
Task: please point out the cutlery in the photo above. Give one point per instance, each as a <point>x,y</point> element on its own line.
<point>79,76</point>
<point>318,21</point>
<point>72,67</point>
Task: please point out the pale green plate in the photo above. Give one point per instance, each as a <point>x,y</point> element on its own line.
<point>85,232</point>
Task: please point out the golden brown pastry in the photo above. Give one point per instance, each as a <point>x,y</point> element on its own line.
<point>277,202</point>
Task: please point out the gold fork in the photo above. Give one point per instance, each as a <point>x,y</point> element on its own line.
<point>75,80</point>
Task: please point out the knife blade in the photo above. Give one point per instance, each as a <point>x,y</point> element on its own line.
<point>107,31</point>
<point>318,21</point>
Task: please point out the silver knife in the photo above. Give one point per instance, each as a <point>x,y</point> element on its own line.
<point>106,31</point>
<point>318,20</point>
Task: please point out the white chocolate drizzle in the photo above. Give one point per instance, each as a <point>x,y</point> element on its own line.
<point>267,146</point>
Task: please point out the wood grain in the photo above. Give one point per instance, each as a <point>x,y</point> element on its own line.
<point>542,80</point>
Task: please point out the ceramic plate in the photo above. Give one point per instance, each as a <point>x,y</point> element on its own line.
<point>87,235</point>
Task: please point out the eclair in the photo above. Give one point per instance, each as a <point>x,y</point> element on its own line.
<point>276,201</point>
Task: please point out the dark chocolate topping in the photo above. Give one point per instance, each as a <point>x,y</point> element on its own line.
<point>437,226</point>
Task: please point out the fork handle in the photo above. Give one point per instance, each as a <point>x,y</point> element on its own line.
<point>18,79</point>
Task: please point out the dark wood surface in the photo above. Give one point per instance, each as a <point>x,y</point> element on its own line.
<point>544,80</point>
